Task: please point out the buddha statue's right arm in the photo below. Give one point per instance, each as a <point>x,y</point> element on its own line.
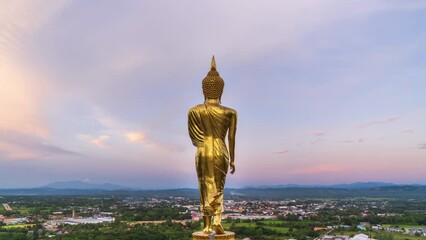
<point>231,140</point>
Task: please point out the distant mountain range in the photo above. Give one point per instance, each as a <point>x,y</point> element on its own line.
<point>84,185</point>
<point>288,191</point>
<point>356,185</point>
<point>111,187</point>
<point>402,192</point>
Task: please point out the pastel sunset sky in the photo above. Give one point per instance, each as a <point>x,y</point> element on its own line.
<point>326,91</point>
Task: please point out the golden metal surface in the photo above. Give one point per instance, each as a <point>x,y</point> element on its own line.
<point>203,236</point>
<point>213,84</point>
<point>208,125</point>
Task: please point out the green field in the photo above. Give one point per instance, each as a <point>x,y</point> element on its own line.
<point>406,226</point>
<point>18,226</point>
<point>272,224</point>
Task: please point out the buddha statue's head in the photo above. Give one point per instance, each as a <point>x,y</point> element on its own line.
<point>213,84</point>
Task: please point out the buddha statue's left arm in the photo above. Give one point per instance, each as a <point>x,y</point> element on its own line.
<point>231,140</point>
<point>195,132</point>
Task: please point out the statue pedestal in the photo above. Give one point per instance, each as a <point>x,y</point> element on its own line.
<point>213,236</point>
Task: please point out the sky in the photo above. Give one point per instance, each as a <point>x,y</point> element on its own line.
<point>326,91</point>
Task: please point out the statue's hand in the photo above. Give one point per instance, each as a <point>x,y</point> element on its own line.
<point>232,166</point>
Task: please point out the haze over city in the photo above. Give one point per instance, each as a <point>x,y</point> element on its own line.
<point>99,91</point>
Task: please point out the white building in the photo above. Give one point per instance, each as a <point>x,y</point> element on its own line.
<point>360,236</point>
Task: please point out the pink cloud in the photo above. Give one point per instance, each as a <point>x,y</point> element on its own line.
<point>317,133</point>
<point>23,87</point>
<point>281,152</point>
<point>18,146</point>
<point>359,140</point>
<point>325,168</point>
<point>379,122</point>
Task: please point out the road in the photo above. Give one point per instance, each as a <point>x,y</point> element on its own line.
<point>7,207</point>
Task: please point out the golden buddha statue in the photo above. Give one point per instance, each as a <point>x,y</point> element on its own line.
<point>208,125</point>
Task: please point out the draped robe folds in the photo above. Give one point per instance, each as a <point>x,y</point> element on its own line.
<point>208,126</point>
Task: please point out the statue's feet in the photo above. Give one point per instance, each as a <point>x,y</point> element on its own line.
<point>207,230</point>
<point>219,229</point>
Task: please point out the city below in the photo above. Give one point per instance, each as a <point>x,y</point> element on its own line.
<point>358,211</point>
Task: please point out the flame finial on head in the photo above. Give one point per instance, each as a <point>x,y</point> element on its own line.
<point>213,67</point>
<point>213,84</point>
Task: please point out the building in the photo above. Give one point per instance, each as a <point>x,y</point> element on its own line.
<point>11,221</point>
<point>329,237</point>
<point>75,221</point>
<point>418,231</point>
<point>360,236</point>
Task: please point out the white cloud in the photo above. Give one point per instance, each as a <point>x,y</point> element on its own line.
<point>134,137</point>
<point>98,141</point>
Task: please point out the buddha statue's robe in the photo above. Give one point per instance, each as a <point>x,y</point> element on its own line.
<point>208,126</point>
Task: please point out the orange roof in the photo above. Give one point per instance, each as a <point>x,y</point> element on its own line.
<point>7,220</point>
<point>319,228</point>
